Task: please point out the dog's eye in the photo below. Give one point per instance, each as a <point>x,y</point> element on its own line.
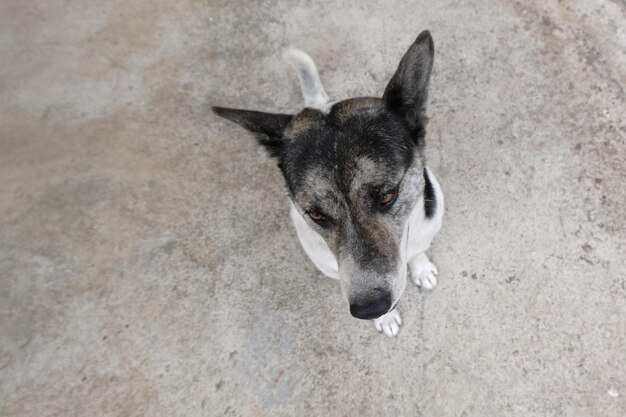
<point>388,198</point>
<point>316,217</point>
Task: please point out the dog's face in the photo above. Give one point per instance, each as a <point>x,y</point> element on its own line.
<point>355,174</point>
<point>354,170</point>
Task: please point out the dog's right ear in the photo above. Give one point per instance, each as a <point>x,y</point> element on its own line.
<point>268,127</point>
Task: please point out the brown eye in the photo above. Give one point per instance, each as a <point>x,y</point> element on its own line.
<point>315,216</point>
<point>388,198</point>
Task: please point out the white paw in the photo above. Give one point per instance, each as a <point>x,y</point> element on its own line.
<point>389,323</point>
<point>424,274</point>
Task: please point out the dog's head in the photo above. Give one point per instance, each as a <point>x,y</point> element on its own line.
<point>355,172</point>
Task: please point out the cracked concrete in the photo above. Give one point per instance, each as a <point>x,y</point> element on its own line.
<point>147,264</point>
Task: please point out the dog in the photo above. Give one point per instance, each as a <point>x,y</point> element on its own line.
<point>364,204</point>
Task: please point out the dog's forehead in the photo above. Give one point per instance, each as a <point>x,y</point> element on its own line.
<point>330,185</point>
<point>337,114</point>
<point>369,174</point>
<point>302,122</point>
<point>355,145</point>
<point>352,107</point>
<point>331,189</point>
<point>361,172</point>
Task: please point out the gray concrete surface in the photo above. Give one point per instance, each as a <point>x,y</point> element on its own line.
<point>147,264</point>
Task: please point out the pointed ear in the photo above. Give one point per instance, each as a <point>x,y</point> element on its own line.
<point>407,92</point>
<point>268,127</point>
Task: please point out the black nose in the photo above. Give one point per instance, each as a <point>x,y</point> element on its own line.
<point>371,308</point>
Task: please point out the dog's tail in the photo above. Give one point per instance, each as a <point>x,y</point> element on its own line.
<point>312,88</point>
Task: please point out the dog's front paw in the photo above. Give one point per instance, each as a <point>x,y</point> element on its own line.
<point>424,272</point>
<point>389,323</point>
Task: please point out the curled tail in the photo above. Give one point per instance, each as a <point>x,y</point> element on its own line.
<point>312,88</point>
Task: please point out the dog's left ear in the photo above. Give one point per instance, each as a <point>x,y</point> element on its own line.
<point>268,127</point>
<point>407,92</point>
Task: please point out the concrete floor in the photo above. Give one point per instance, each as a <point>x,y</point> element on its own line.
<point>147,264</point>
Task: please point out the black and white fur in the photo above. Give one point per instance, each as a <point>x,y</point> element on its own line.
<point>363,202</point>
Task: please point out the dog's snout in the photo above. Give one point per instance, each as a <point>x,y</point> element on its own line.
<point>371,307</point>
